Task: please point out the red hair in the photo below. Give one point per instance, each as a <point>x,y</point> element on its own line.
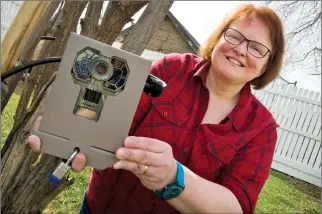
<point>274,24</point>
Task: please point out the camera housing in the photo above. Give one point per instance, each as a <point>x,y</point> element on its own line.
<point>92,101</point>
<point>99,76</point>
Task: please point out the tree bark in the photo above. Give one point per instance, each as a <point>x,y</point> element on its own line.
<point>145,27</point>
<point>25,188</point>
<point>71,12</point>
<point>25,97</point>
<point>117,14</point>
<point>90,23</point>
<point>24,185</point>
<point>31,79</point>
<point>70,17</point>
<point>22,38</point>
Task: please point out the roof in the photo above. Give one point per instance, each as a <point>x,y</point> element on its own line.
<point>193,43</point>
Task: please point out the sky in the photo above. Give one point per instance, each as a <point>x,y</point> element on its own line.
<point>200,18</point>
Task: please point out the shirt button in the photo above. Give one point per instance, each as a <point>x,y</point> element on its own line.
<point>185,149</point>
<point>165,113</point>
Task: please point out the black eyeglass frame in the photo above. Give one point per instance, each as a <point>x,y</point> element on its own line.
<point>247,40</point>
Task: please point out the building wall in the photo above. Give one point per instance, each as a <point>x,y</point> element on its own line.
<point>166,39</point>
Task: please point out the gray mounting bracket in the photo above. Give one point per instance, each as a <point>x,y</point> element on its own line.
<point>92,101</point>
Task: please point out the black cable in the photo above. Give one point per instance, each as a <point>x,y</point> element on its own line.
<point>47,38</point>
<point>31,64</point>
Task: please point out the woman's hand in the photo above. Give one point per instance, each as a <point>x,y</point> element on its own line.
<point>149,159</point>
<point>79,161</point>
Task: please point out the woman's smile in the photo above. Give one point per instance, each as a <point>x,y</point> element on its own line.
<point>235,62</point>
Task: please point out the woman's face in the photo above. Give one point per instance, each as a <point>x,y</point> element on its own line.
<point>233,62</point>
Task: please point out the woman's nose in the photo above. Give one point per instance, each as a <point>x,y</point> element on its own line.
<point>241,49</point>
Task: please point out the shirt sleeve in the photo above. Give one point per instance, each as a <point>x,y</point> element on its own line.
<point>246,175</point>
<point>164,68</point>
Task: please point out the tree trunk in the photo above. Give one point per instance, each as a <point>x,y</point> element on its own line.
<point>90,22</point>
<point>117,14</point>
<point>31,78</point>
<point>22,38</point>
<point>42,52</point>
<point>145,27</point>
<point>24,185</point>
<point>25,96</point>
<point>70,17</point>
<point>71,12</point>
<point>25,189</point>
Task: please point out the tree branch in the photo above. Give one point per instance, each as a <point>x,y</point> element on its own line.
<point>307,25</point>
<point>315,49</point>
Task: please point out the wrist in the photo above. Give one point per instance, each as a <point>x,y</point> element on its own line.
<point>173,173</point>
<point>171,177</point>
<point>174,187</point>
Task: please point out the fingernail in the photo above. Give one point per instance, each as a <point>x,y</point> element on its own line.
<point>119,153</point>
<point>129,140</point>
<point>79,162</point>
<point>33,142</point>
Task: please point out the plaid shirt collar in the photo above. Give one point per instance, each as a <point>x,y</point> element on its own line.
<point>243,107</point>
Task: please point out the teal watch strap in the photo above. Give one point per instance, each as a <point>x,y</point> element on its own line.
<point>174,189</point>
<point>180,174</point>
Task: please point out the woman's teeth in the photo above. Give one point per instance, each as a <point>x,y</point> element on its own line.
<point>235,62</point>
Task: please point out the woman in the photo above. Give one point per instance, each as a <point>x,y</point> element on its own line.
<point>206,144</point>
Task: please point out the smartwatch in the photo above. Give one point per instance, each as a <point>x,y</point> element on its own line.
<point>174,189</point>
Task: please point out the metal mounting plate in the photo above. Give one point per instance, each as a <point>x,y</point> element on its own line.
<point>61,130</point>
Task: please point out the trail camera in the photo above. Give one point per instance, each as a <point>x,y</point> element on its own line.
<point>92,101</point>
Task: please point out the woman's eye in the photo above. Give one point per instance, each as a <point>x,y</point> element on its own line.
<point>235,38</point>
<point>256,50</point>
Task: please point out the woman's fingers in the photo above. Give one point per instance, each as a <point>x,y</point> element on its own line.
<point>34,143</point>
<point>79,162</point>
<point>144,143</point>
<point>33,140</point>
<point>140,156</point>
<point>150,173</point>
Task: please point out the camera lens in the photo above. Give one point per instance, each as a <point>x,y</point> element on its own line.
<point>101,69</point>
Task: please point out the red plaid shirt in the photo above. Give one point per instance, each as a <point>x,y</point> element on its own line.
<point>237,153</point>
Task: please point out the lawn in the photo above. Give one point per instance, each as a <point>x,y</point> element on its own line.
<point>281,193</point>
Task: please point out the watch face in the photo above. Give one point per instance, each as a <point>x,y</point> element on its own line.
<point>172,192</point>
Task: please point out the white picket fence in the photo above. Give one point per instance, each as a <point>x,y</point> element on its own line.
<point>298,111</point>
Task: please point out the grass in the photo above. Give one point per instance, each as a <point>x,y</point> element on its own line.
<point>281,193</point>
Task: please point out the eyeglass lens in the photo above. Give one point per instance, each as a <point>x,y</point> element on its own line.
<point>254,48</point>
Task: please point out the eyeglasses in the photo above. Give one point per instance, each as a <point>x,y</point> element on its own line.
<point>256,49</point>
